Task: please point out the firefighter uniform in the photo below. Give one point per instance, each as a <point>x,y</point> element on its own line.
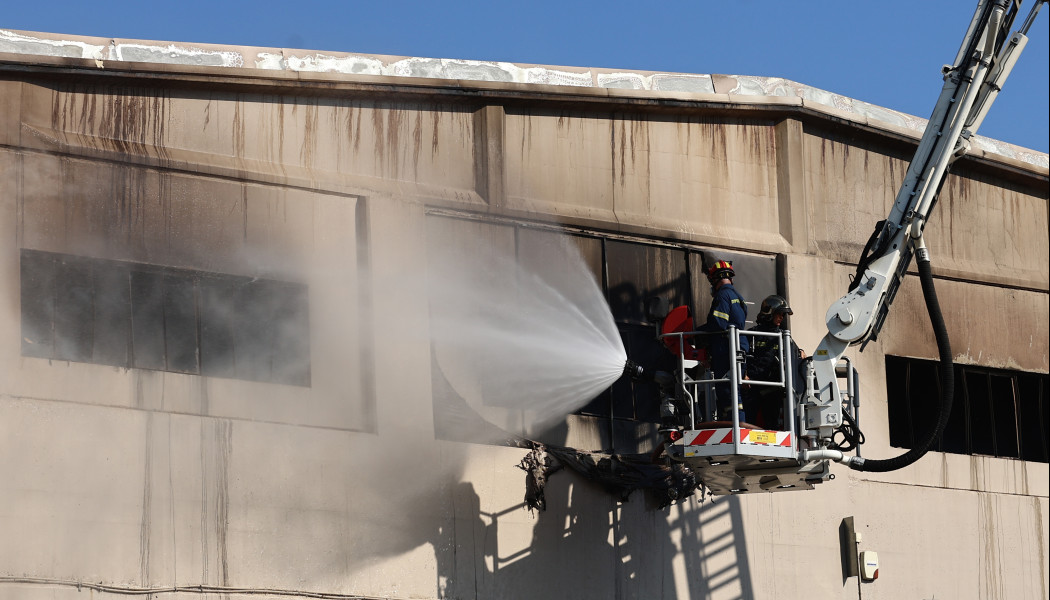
<point>727,308</point>
<point>767,403</point>
<point>764,365</point>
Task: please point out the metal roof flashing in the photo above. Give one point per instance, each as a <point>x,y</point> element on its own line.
<point>345,66</point>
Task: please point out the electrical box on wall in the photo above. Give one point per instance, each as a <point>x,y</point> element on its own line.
<point>869,565</point>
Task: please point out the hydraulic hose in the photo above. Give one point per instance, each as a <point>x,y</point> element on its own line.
<point>947,374</point>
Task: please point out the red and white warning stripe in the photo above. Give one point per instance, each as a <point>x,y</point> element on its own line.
<point>714,437</point>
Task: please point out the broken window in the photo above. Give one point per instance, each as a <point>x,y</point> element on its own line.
<point>636,272</point>
<point>995,412</point>
<point>144,316</point>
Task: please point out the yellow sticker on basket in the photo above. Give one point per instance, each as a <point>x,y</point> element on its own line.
<point>763,437</point>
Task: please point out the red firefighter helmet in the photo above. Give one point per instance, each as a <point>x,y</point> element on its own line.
<point>719,270</point>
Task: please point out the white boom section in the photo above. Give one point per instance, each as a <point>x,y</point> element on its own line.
<point>970,87</point>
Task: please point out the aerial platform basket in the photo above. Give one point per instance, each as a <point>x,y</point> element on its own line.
<point>731,456</point>
<point>739,460</point>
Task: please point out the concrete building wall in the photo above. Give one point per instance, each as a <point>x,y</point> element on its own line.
<point>122,480</point>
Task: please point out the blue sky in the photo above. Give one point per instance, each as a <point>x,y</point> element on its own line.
<point>888,53</point>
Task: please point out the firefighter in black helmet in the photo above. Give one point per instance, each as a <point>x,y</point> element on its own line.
<point>767,403</point>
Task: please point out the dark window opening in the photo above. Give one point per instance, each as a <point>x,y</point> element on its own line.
<point>995,412</point>
<point>629,271</point>
<point>633,273</point>
<point>144,316</point>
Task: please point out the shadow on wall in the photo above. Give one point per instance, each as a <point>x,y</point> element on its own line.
<point>588,545</point>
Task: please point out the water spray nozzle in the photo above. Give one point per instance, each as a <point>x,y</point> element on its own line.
<point>634,370</point>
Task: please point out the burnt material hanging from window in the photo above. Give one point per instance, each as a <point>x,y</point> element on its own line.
<point>995,412</point>
<point>144,316</point>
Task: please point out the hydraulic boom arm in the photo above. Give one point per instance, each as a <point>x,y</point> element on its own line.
<point>985,59</point>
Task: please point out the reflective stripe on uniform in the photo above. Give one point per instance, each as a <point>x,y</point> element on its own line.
<point>720,315</point>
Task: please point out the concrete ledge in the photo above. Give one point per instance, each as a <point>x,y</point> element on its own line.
<point>16,47</point>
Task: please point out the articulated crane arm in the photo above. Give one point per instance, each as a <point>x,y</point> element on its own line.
<point>985,59</point>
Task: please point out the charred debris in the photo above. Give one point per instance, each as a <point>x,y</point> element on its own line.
<point>663,483</point>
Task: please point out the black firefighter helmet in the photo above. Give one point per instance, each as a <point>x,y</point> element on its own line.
<point>773,305</point>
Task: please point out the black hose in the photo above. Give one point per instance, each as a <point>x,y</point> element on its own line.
<point>851,434</point>
<point>947,374</point>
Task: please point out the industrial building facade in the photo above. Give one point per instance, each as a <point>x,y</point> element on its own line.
<point>215,378</point>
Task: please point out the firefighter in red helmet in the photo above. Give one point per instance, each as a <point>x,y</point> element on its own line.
<point>727,308</point>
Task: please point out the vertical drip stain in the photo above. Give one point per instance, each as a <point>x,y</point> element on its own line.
<point>244,211</point>
<point>356,126</point>
<point>395,118</point>
<point>204,504</point>
<point>58,113</point>
<point>310,129</point>
<point>204,446</point>
<point>434,134</point>
<point>1038,513</point>
<point>526,138</point>
<point>68,200</point>
<point>238,128</point>
<point>165,205</point>
<point>623,150</point>
<point>280,132</point>
<point>334,113</point>
<point>146,525</point>
<point>20,210</point>
<point>417,143</point>
<point>720,149</point>
<point>640,129</point>
<point>171,512</point>
<point>379,134</point>
<point>224,448</point>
